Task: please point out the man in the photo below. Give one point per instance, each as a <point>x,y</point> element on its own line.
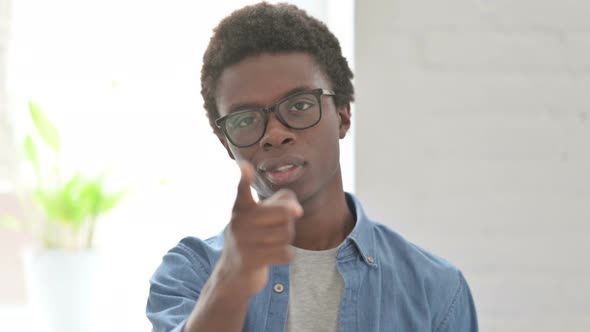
<point>277,91</point>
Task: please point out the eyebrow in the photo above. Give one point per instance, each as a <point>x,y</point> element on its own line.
<point>241,106</point>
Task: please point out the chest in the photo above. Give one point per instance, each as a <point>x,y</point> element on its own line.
<point>353,297</point>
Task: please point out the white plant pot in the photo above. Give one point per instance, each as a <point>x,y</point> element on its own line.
<point>62,288</point>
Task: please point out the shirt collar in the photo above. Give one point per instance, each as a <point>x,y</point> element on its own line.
<point>360,241</point>
<point>361,236</point>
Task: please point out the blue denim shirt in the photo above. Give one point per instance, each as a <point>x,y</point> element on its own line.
<point>390,284</point>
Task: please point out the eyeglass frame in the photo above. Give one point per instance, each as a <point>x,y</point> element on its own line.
<point>220,122</point>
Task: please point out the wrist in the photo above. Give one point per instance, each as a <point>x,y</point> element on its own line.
<point>229,284</point>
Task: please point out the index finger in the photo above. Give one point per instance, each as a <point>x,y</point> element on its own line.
<point>244,197</point>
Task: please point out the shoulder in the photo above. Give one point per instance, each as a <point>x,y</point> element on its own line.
<point>176,284</point>
<point>208,249</point>
<point>422,273</point>
<point>402,253</point>
<point>192,253</point>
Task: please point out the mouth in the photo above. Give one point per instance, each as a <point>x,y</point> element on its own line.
<point>282,171</point>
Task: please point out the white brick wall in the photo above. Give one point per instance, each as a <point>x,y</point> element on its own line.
<point>473,140</point>
<point>11,285</point>
<point>6,150</point>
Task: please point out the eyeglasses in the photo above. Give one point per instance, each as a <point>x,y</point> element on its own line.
<point>298,111</point>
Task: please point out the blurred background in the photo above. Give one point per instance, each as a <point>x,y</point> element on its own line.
<point>471,138</point>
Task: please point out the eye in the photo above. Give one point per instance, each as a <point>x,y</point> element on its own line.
<point>247,121</point>
<point>300,106</point>
<point>241,121</point>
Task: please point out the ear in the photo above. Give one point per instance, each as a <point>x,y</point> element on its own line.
<point>225,144</point>
<point>344,115</point>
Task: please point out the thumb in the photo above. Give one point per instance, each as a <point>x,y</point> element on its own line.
<point>244,197</point>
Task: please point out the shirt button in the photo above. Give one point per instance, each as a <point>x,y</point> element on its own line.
<point>279,288</point>
<point>371,259</point>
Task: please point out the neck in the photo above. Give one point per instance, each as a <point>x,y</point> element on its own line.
<point>327,220</point>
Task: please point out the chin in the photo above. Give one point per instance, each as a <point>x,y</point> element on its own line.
<point>265,190</point>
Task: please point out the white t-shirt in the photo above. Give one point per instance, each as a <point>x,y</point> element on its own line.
<point>315,291</point>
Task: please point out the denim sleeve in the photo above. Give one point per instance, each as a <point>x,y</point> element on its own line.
<point>461,315</point>
<point>174,289</point>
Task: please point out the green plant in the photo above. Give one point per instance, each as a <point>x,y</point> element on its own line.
<point>70,205</point>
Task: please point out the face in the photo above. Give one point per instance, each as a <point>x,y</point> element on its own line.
<point>305,161</point>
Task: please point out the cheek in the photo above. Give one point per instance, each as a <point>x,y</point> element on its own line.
<point>330,129</point>
<point>325,141</point>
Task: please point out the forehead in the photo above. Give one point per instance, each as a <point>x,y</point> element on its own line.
<point>263,79</point>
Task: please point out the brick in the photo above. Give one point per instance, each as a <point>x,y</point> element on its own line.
<point>494,213</point>
<point>417,14</point>
<point>512,51</point>
<point>493,95</point>
<point>563,14</point>
<point>560,95</point>
<point>439,141</point>
<point>546,323</point>
<point>577,50</point>
<point>402,47</point>
<point>492,202</point>
<point>532,295</point>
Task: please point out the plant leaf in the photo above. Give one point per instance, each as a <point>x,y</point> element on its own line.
<point>31,151</point>
<point>99,200</point>
<point>74,208</point>
<point>48,202</point>
<point>110,201</point>
<point>47,131</point>
<point>92,196</point>
<point>78,201</point>
<point>31,154</point>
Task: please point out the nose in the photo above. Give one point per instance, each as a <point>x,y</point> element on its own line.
<point>277,134</point>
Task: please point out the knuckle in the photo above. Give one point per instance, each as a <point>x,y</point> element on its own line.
<point>284,212</point>
<point>284,193</point>
<point>279,212</point>
<point>282,236</point>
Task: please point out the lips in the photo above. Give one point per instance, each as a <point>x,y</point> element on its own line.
<point>282,171</point>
